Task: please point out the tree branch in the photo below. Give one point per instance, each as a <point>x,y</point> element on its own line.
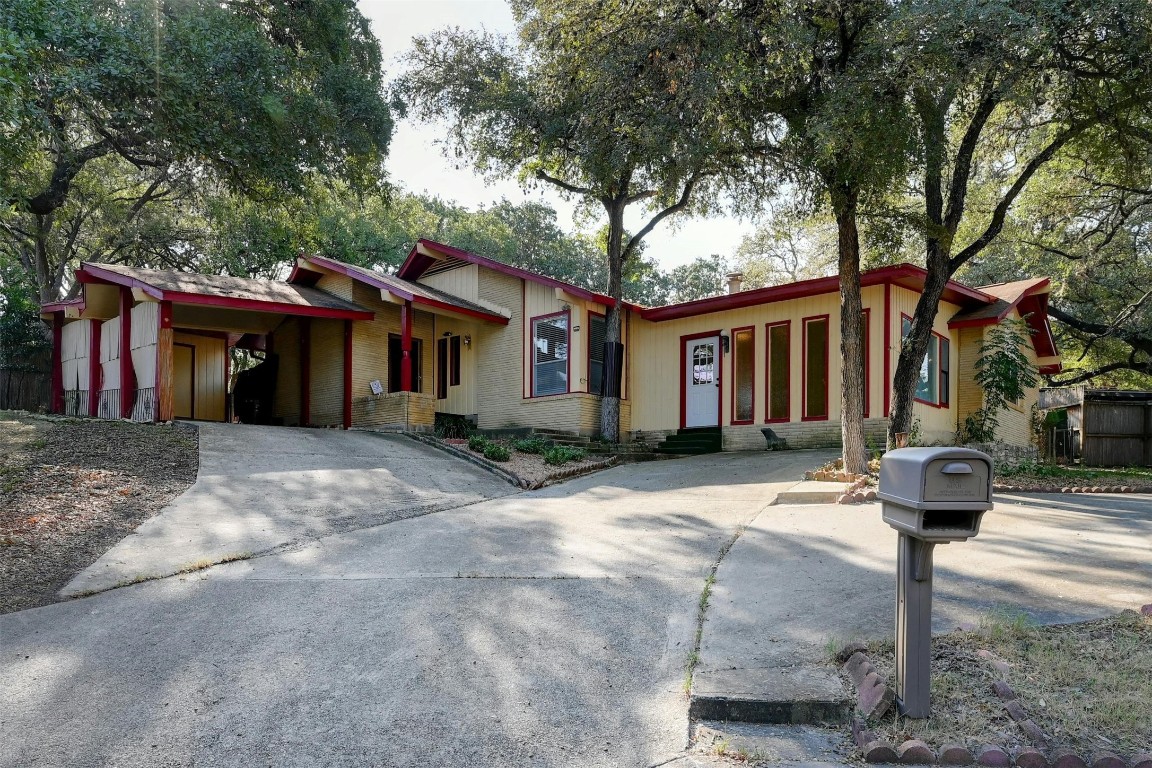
<point>563,184</point>
<point>679,205</point>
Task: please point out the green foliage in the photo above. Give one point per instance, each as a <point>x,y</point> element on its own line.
<point>535,445</point>
<point>478,443</point>
<point>497,452</point>
<point>1005,374</point>
<point>24,341</point>
<point>562,454</point>
<point>452,426</point>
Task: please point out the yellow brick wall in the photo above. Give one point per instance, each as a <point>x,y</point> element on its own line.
<point>327,382</point>
<point>394,410</point>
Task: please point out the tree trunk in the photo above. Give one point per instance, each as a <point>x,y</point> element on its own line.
<point>610,406</point>
<point>851,335</point>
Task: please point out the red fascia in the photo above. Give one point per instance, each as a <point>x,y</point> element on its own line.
<point>60,306</point>
<point>417,264</point>
<point>807,288</point>
<point>230,302</point>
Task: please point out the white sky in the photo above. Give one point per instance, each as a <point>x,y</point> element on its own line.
<point>416,163</point>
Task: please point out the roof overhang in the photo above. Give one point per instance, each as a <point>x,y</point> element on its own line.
<point>907,276</point>
<point>305,271</point>
<point>426,253</point>
<point>93,274</point>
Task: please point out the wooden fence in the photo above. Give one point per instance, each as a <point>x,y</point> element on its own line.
<point>25,390</point>
<point>1117,434</point>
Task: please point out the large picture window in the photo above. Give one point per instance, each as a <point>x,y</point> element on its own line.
<point>779,371</point>
<point>396,354</point>
<point>596,329</point>
<point>816,368</point>
<point>550,355</point>
<point>932,386</point>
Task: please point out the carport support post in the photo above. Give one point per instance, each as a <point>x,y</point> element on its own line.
<point>913,625</point>
<point>347,374</point>
<point>94,367</point>
<point>406,347</point>
<point>58,362</point>
<point>164,394</point>
<point>127,374</point>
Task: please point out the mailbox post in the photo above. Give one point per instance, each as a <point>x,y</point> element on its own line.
<point>930,496</point>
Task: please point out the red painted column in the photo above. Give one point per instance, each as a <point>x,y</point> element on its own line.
<point>305,371</point>
<point>127,373</point>
<point>406,347</point>
<point>94,370</point>
<point>57,362</point>
<point>347,374</point>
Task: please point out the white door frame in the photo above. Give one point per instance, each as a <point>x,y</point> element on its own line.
<point>689,418</point>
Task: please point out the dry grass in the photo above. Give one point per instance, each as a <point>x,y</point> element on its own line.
<point>1087,685</point>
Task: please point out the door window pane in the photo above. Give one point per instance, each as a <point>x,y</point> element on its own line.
<point>550,355</point>
<point>703,363</point>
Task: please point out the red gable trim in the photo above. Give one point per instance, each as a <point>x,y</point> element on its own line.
<point>906,275</point>
<point>417,264</point>
<point>367,279</point>
<point>60,306</point>
<point>1031,292</point>
<point>90,273</point>
<point>299,310</point>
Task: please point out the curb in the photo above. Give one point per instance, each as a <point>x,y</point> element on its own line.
<point>1074,489</point>
<point>510,477</point>
<point>873,701</point>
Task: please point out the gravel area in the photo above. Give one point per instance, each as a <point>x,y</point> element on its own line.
<point>71,488</point>
<point>530,466</point>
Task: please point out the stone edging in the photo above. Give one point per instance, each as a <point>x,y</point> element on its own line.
<point>1075,489</point>
<point>875,698</point>
<point>511,477</point>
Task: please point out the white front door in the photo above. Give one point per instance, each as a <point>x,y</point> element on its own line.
<point>702,382</point>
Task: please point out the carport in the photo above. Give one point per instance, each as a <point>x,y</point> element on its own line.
<point>153,345</point>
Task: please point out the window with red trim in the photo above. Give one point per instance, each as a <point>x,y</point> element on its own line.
<point>816,368</point>
<point>779,367</point>
<point>743,375</point>
<point>550,355</point>
<point>932,387</point>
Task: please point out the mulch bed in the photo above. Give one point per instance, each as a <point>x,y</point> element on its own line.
<point>70,489</point>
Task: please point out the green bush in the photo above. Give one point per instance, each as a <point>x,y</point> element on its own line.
<point>497,452</point>
<point>531,445</point>
<point>562,454</point>
<point>478,443</point>
<point>451,426</point>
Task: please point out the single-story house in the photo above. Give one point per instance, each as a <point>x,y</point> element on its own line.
<point>453,332</point>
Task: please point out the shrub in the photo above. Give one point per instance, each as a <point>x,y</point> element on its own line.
<point>451,426</point>
<point>478,443</point>
<point>497,452</point>
<point>531,445</point>
<point>562,454</point>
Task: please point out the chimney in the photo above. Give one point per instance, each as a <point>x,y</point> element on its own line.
<point>735,282</point>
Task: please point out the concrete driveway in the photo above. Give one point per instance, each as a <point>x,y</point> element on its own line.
<point>537,629</point>
<point>260,488</point>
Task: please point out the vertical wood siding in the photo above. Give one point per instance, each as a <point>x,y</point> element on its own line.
<point>210,385</point>
<point>461,281</point>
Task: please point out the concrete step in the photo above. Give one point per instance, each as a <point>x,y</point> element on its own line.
<point>811,492</point>
<point>806,694</point>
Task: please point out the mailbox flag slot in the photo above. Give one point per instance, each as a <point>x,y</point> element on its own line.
<point>949,520</point>
<point>957,468</point>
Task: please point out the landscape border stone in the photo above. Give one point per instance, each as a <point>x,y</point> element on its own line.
<point>916,752</point>
<point>999,488</point>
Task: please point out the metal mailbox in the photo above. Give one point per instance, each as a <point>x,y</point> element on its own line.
<point>936,494</point>
<point>930,496</point>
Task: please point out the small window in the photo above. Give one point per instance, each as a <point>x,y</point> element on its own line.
<point>396,355</point>
<point>550,355</point>
<point>928,385</point>
<point>816,368</point>
<point>597,326</point>
<point>778,372</point>
<point>743,374</point>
